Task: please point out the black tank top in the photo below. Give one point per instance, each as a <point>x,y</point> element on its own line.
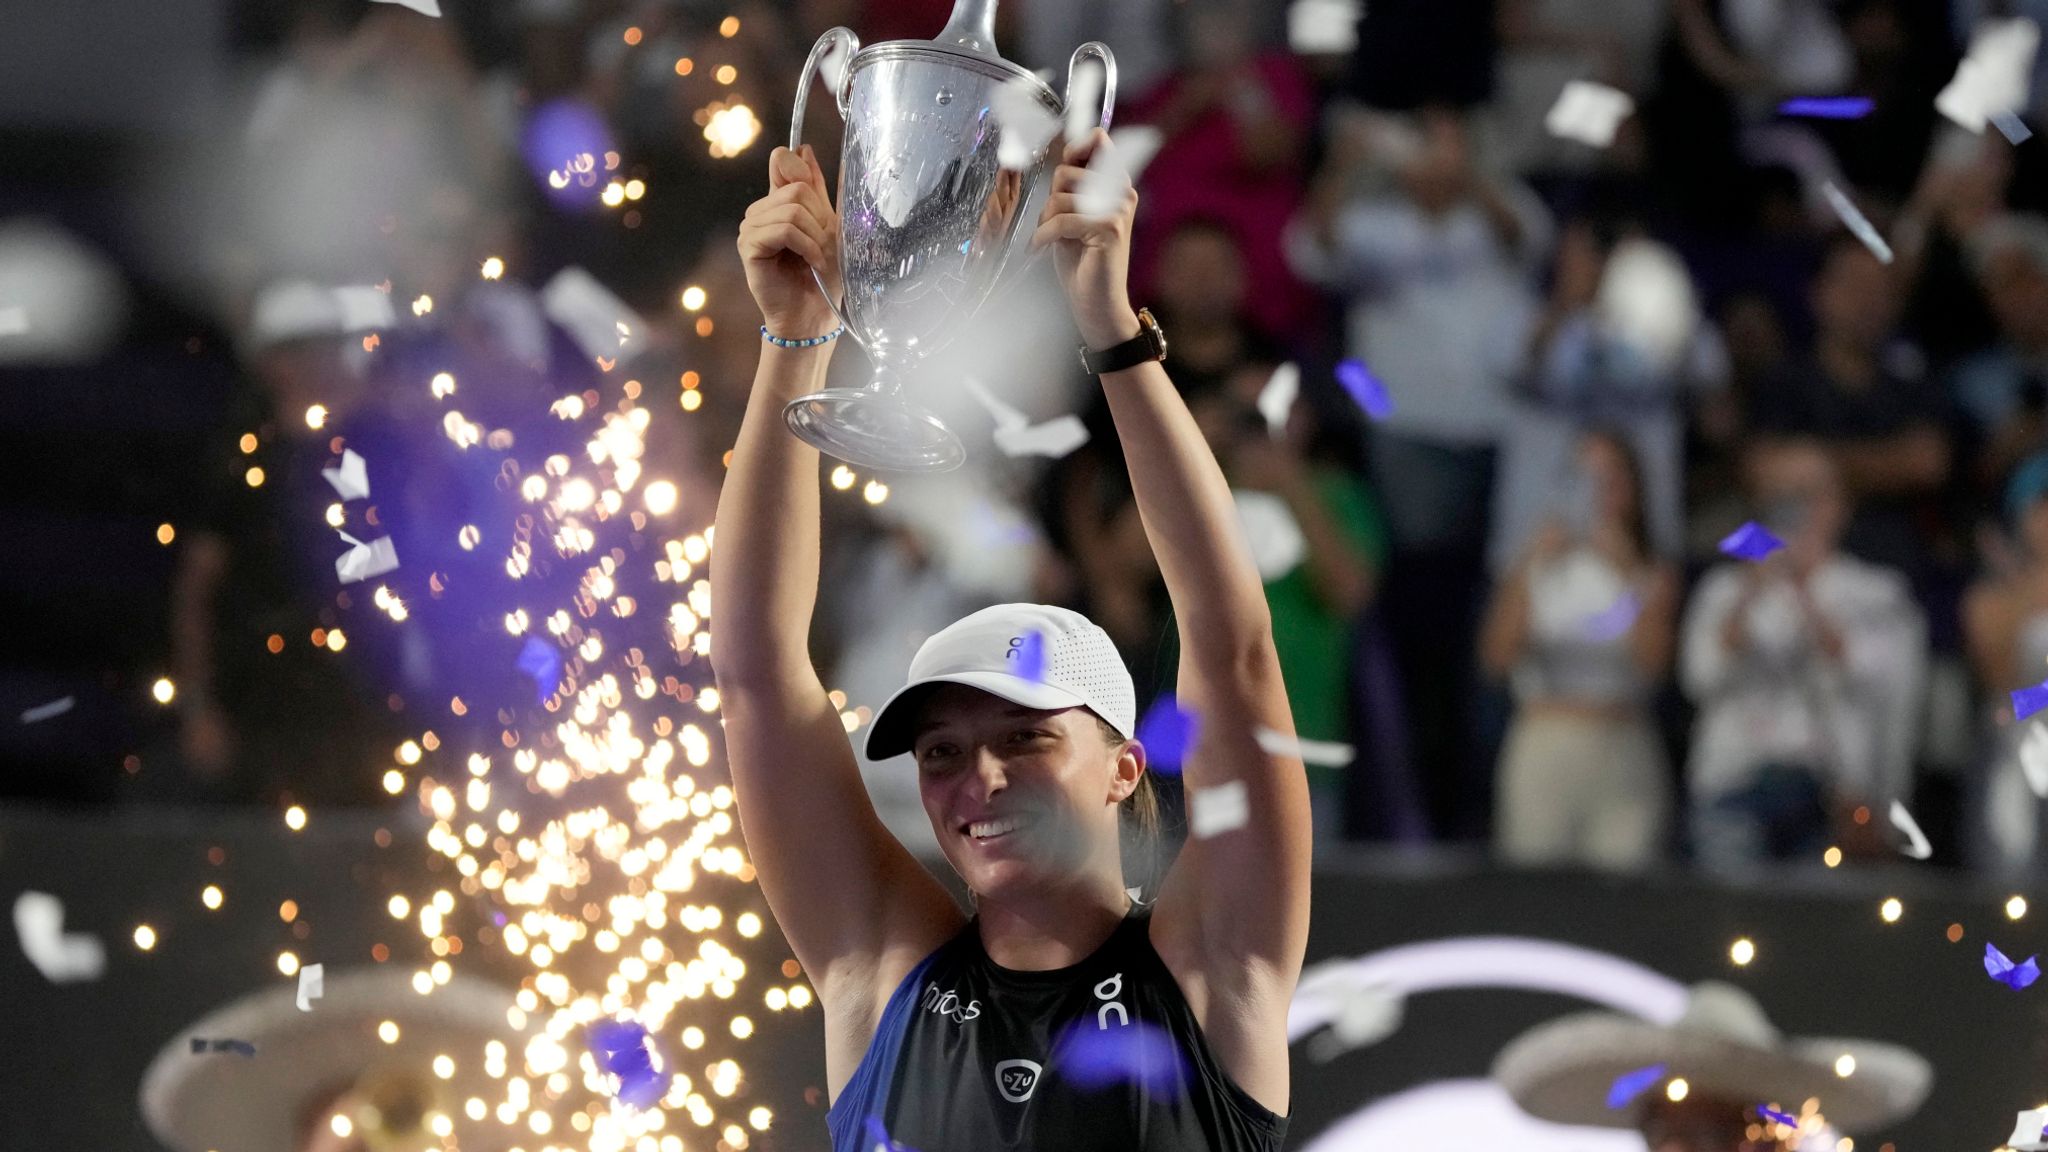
<point>972,1057</point>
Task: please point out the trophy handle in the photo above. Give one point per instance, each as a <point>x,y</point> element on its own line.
<point>849,45</point>
<point>1100,51</point>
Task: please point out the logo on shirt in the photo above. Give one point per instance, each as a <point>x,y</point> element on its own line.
<point>1108,991</point>
<point>1016,1078</point>
<point>948,1004</point>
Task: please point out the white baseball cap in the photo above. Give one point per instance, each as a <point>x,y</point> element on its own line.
<point>982,649</point>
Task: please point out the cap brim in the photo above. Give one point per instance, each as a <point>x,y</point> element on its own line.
<point>894,730</point>
<point>233,1103</point>
<point>1562,1071</point>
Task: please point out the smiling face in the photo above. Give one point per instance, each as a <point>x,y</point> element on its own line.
<point>1021,799</point>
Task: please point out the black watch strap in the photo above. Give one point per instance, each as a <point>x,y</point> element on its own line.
<point>1148,344</point>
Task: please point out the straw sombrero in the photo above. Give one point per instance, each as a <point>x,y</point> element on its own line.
<point>1724,1047</point>
<point>224,1101</point>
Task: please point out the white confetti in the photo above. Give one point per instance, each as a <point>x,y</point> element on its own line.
<point>1271,533</point>
<point>1367,1013</point>
<point>1214,811</point>
<point>365,560</point>
<point>297,309</point>
<point>1588,113</point>
<point>1016,435</point>
<point>13,320</point>
<point>1136,146</point>
<point>352,479</point>
<point>1323,27</point>
<point>1995,76</point>
<point>2027,1134</point>
<point>1276,399</point>
<point>61,957</point>
<point>1004,415</point>
<point>1327,753</point>
<point>1054,439</point>
<point>1084,101</point>
<point>312,985</point>
<point>423,7</point>
<point>1100,194</point>
<point>832,65</point>
<point>1919,848</point>
<point>2011,127</point>
<point>50,711</point>
<point>1855,221</point>
<point>2034,758</point>
<point>600,323</point>
<point>1024,125</point>
<point>363,308</point>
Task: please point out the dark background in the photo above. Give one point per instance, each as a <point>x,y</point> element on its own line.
<point>1826,965</point>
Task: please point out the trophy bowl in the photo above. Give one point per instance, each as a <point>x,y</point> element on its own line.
<point>931,221</point>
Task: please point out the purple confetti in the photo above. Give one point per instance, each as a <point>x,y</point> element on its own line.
<point>621,1049</point>
<point>1093,1057</point>
<point>2013,976</point>
<point>1167,733</point>
<point>1630,1085</point>
<point>240,1047</point>
<point>539,660</point>
<point>1772,1114</point>
<point>1752,541</point>
<point>1828,107</point>
<point>879,1139</point>
<point>2027,701</point>
<point>1365,388</point>
<point>1030,656</point>
<point>1613,622</point>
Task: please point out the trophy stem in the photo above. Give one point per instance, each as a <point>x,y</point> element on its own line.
<point>972,26</point>
<point>887,382</point>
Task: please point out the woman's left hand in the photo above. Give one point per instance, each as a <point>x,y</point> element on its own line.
<point>1092,252</point>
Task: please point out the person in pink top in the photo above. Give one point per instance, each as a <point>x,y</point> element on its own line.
<point>1236,118</point>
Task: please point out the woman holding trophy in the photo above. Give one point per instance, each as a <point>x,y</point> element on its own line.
<point>1062,1013</point>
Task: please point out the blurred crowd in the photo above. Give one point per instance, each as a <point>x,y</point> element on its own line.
<point>1506,594</point>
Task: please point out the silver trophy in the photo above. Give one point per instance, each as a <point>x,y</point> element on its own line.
<point>929,219</point>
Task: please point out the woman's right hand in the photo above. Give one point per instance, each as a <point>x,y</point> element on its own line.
<point>786,234</point>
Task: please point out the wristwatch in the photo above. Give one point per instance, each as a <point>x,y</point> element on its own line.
<point>1148,344</point>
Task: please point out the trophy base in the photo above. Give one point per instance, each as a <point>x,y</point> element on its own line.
<point>874,431</point>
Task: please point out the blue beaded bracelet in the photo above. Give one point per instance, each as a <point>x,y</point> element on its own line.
<point>813,342</point>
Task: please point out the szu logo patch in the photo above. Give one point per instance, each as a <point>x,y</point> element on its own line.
<point>1016,1078</point>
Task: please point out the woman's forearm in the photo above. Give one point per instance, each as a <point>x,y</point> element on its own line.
<point>764,562</point>
<point>1507,625</point>
<point>1186,507</point>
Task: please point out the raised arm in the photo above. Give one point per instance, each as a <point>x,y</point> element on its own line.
<point>849,898</point>
<point>1240,898</point>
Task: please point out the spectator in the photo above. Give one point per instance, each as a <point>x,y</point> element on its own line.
<point>1584,626</point>
<point>2005,630</point>
<point>1319,544</point>
<point>1621,346</point>
<point>2003,390</point>
<point>1718,435</point>
<point>1964,186</point>
<point>1807,670</point>
<point>1436,269</point>
<point>261,711</point>
<point>1864,397</point>
<point>1236,121</point>
<point>1204,288</point>
<point>1435,265</point>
